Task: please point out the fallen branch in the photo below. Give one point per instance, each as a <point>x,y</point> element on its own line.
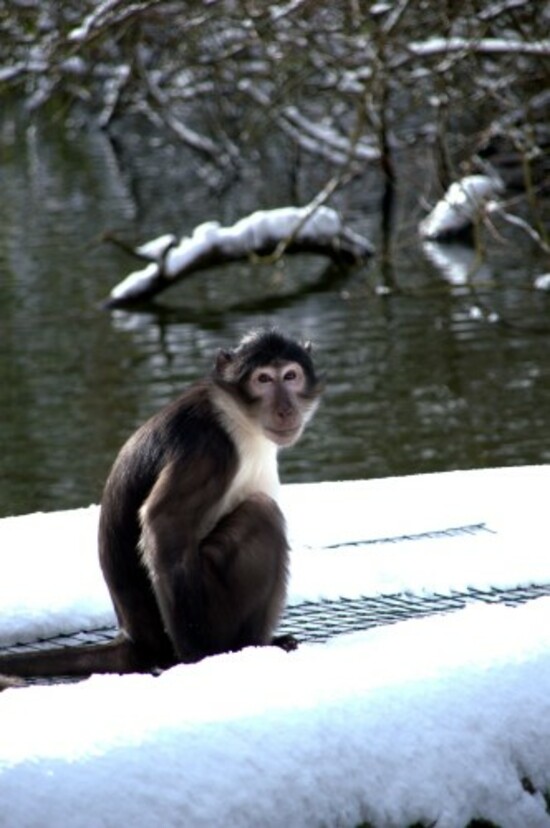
<point>294,229</point>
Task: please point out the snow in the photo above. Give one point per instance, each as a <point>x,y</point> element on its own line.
<point>440,720</point>
<point>91,21</point>
<point>325,563</point>
<point>437,719</point>
<point>542,282</point>
<point>460,206</point>
<point>483,45</point>
<point>137,282</point>
<point>327,136</point>
<point>254,233</point>
<point>155,249</point>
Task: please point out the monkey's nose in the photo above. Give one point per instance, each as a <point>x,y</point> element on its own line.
<point>285,412</point>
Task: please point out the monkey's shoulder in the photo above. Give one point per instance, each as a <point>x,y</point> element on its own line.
<point>184,436</point>
<point>187,426</point>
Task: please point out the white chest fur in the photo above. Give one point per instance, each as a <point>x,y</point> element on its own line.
<point>257,469</point>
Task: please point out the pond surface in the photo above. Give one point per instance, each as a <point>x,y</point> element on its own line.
<point>426,371</point>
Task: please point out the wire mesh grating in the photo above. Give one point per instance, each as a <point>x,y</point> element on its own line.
<point>319,621</point>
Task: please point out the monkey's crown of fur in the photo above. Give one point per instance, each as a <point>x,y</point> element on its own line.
<point>263,347</point>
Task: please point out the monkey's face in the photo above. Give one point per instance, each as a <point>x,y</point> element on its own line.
<point>272,380</point>
<point>282,400</point>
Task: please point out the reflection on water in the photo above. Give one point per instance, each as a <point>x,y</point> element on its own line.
<point>420,378</point>
<point>458,263</point>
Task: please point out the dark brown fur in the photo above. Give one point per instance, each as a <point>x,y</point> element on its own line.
<point>195,564</point>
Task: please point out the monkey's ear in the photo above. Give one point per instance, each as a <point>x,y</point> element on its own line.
<point>308,346</point>
<point>223,359</point>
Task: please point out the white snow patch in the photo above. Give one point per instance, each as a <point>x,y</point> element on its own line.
<point>542,282</point>
<point>460,205</point>
<point>435,720</point>
<point>50,580</point>
<point>156,248</point>
<point>137,282</point>
<point>204,239</point>
<point>483,45</point>
<point>260,229</point>
<point>432,720</point>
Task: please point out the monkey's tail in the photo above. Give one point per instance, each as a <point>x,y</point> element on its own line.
<point>117,656</point>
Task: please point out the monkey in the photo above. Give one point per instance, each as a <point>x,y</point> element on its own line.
<point>192,543</point>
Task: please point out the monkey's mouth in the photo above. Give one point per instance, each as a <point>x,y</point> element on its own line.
<point>283,436</point>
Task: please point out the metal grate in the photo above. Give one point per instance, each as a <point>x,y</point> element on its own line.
<point>319,621</point>
<point>451,532</point>
<point>326,619</point>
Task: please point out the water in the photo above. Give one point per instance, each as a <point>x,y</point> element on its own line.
<point>419,378</point>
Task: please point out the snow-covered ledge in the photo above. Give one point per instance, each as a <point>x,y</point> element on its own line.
<point>297,228</point>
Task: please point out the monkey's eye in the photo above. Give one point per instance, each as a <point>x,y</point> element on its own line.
<point>263,377</point>
<point>290,376</point>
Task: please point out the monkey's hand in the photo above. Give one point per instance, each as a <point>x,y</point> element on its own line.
<point>285,642</point>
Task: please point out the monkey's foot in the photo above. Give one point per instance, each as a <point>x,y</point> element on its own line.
<point>285,642</point>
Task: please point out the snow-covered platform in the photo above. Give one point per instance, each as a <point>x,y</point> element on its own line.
<point>437,720</point>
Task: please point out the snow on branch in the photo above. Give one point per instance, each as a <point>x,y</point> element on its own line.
<point>484,45</point>
<point>106,14</point>
<point>326,136</point>
<point>287,229</point>
<point>460,207</point>
<point>323,140</point>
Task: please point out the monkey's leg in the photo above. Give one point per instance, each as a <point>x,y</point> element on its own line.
<point>137,611</point>
<point>244,566</point>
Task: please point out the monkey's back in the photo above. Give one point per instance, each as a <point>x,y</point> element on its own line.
<point>183,431</point>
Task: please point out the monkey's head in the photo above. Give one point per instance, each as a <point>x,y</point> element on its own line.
<point>273,380</point>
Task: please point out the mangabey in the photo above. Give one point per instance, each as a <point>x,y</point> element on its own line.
<point>191,541</point>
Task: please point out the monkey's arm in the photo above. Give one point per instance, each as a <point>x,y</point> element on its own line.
<point>174,521</point>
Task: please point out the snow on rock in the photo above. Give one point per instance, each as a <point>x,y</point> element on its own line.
<point>460,206</point>
<point>440,720</point>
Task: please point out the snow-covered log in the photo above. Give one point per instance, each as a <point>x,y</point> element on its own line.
<point>297,228</point>
<point>460,206</point>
